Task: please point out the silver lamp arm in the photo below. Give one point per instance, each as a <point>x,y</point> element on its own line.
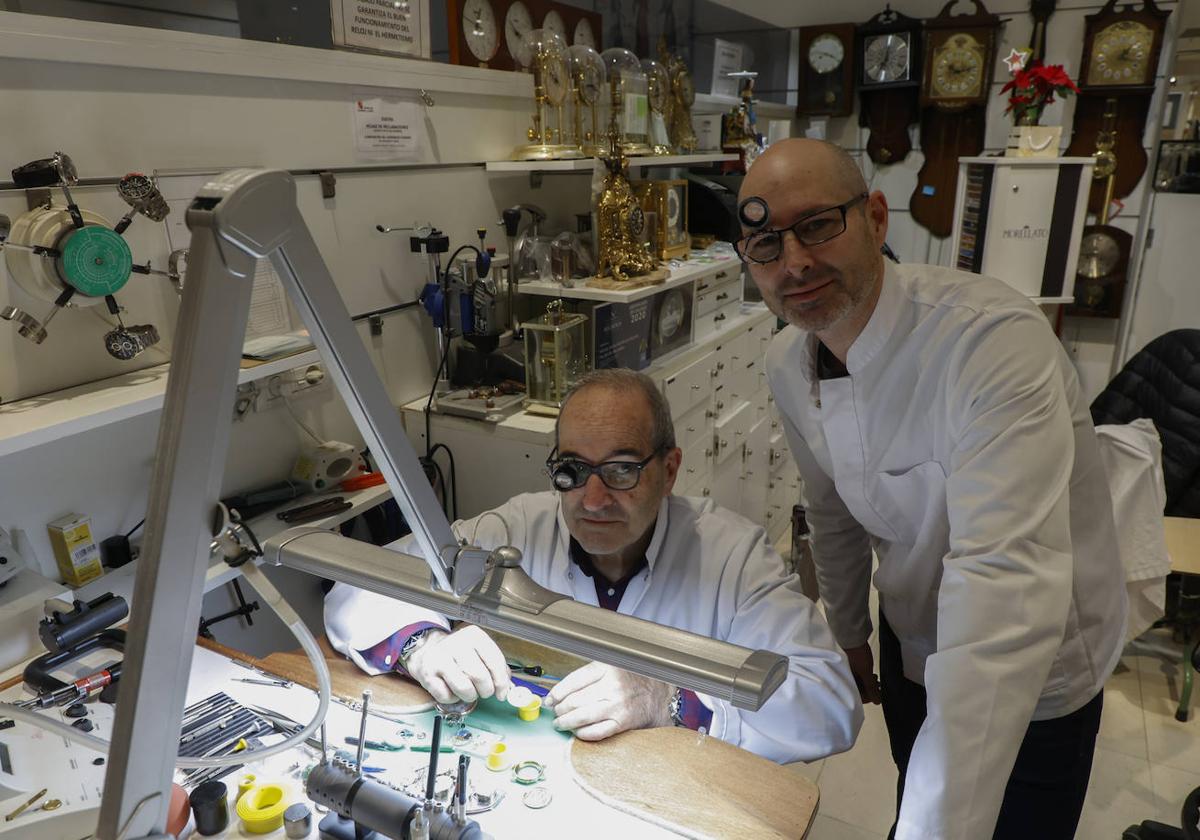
<point>236,219</point>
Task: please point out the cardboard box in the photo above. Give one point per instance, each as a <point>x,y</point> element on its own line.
<point>75,549</point>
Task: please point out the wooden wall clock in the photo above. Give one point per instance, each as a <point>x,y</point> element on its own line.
<point>826,70</point>
<point>1120,60</point>
<point>888,74</point>
<point>488,33</point>
<point>960,51</point>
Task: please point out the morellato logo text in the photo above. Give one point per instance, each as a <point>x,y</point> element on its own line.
<point>1026,233</point>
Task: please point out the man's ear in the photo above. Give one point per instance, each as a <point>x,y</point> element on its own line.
<point>877,215</point>
<point>671,462</point>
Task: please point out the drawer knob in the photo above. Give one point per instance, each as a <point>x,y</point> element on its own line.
<point>721,275</point>
<point>691,428</point>
<point>690,470</point>
<point>720,366</point>
<point>724,443</point>
<point>720,405</point>
<point>695,387</point>
<point>707,453</point>
<point>722,296</point>
<point>720,317</point>
<point>705,492</point>
<point>710,413</point>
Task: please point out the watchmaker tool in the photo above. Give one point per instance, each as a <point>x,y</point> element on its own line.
<point>69,635</point>
<point>75,691</point>
<point>71,257</point>
<point>217,725</point>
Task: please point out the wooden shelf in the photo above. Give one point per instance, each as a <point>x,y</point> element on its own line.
<point>587,164</point>
<point>59,414</point>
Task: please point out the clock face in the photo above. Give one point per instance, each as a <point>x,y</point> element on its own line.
<point>674,208</point>
<point>1098,255</point>
<point>635,221</point>
<point>584,34</point>
<point>517,23</point>
<point>480,30</point>
<point>826,53</point>
<point>588,83</point>
<point>554,22</point>
<point>1121,55</point>
<point>886,58</point>
<point>554,77</point>
<point>658,89</point>
<point>670,315</point>
<point>958,68</point>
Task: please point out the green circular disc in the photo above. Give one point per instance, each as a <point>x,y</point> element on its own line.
<point>96,261</point>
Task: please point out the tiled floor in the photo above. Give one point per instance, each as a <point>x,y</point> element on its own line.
<point>1146,762</point>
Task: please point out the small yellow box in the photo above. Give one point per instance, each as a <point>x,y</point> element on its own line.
<point>75,550</point>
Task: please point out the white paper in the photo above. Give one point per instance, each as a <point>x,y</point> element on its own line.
<point>388,129</point>
<point>384,25</point>
<point>637,107</point>
<point>269,314</point>
<point>727,58</point>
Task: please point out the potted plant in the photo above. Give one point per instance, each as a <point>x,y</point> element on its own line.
<point>1030,90</point>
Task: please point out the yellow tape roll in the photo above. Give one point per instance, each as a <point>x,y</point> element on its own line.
<point>261,808</point>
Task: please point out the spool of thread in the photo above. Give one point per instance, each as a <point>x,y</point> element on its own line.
<point>244,784</point>
<point>210,806</point>
<point>261,808</point>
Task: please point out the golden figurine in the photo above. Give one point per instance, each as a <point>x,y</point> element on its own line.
<point>679,108</point>
<point>620,221</point>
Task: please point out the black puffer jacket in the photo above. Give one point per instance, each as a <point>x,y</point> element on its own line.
<point>1162,382</point>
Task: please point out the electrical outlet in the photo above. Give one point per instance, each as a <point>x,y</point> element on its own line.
<point>295,381</point>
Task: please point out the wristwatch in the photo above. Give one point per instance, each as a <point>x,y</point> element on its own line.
<point>676,707</point>
<point>142,194</point>
<point>413,644</point>
<point>125,343</point>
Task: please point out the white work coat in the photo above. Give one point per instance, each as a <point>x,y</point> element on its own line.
<point>961,450</point>
<point>709,571</point>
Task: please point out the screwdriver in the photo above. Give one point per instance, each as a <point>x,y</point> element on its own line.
<point>74,691</point>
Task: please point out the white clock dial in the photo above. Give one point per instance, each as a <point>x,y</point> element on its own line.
<point>479,28</point>
<point>554,23</point>
<point>670,316</point>
<point>673,209</point>
<point>826,53</point>
<point>1098,255</point>
<point>554,78</point>
<point>518,23</point>
<point>886,58</point>
<point>584,34</point>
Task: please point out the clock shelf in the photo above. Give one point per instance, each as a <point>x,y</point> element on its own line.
<point>684,272</point>
<point>587,164</point>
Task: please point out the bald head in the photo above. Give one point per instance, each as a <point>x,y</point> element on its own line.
<point>802,160</point>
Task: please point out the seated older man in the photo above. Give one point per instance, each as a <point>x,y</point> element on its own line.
<point>611,534</point>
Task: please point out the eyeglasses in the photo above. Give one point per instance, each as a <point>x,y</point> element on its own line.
<point>571,473</point>
<point>764,246</point>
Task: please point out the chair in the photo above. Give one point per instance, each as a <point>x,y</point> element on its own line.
<point>1161,382</point>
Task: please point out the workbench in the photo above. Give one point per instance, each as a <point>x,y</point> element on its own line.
<point>43,760</point>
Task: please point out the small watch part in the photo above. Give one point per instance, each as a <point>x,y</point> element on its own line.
<point>529,772</point>
<point>51,805</point>
<point>27,326</point>
<point>297,820</point>
<point>76,710</point>
<point>84,725</point>
<point>537,798</point>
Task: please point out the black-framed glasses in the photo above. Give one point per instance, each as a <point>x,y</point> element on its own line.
<point>764,246</point>
<point>572,473</point>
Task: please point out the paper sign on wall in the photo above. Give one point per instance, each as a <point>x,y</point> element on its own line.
<point>382,25</point>
<point>388,129</point>
<point>727,58</point>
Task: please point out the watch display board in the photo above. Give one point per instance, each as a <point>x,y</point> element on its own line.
<point>382,26</point>
<point>488,33</point>
<point>827,70</point>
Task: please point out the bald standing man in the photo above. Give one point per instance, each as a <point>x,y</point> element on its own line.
<point>938,424</point>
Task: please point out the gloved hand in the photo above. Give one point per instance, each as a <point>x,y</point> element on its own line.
<point>463,665</point>
<point>598,701</point>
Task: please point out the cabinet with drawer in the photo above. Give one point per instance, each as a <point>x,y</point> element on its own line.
<point>691,386</point>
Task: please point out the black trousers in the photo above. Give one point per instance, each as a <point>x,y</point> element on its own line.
<point>1045,792</point>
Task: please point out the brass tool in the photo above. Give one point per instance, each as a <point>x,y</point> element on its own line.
<point>21,809</point>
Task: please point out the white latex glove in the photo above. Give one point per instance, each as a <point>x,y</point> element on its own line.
<point>463,665</point>
<point>597,701</point>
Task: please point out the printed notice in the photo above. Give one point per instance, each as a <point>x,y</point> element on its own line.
<point>384,25</point>
<point>727,58</point>
<point>388,129</point>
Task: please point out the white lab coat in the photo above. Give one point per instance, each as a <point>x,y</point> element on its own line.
<point>709,572</point>
<point>960,449</point>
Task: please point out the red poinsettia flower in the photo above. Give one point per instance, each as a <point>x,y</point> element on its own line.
<point>1034,87</point>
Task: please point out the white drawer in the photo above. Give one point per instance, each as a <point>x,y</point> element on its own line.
<point>695,469</point>
<point>694,426</point>
<point>741,384</point>
<point>721,277</point>
<point>715,297</point>
<point>730,431</point>
<point>690,387</point>
<point>708,324</point>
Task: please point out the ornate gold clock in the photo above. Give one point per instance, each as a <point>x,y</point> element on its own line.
<point>960,51</point>
<point>620,220</point>
<point>1120,58</point>
<point>683,94</point>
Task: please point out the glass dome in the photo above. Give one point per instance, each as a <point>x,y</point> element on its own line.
<point>541,42</point>
<point>628,91</point>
